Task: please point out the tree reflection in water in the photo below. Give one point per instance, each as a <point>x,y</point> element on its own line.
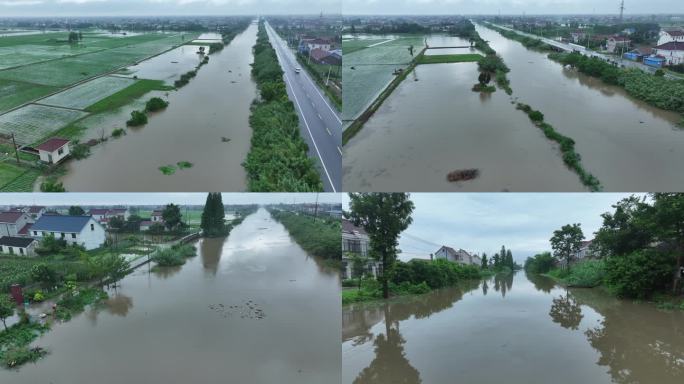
<point>503,282</point>
<point>390,364</point>
<point>541,283</point>
<point>566,311</point>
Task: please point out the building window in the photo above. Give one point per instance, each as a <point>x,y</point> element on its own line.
<point>21,251</point>
<point>92,227</point>
<point>60,151</point>
<point>35,233</point>
<point>349,245</point>
<point>73,235</point>
<point>62,234</point>
<point>44,234</point>
<point>1,250</point>
<point>11,251</point>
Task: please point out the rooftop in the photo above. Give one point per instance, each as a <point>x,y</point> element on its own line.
<point>21,242</point>
<point>53,144</point>
<point>61,223</point>
<point>10,216</point>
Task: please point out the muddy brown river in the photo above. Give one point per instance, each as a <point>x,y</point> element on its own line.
<point>433,124</point>
<point>212,106</point>
<point>512,329</point>
<point>250,308</point>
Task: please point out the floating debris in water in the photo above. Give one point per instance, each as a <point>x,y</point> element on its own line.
<point>463,174</point>
<point>247,310</point>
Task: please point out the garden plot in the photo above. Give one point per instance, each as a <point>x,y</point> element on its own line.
<point>367,71</point>
<point>34,122</point>
<point>13,56</point>
<point>83,95</point>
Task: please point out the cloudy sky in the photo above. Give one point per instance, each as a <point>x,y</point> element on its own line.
<point>408,7</point>
<point>159,198</point>
<point>165,7</point>
<point>483,222</point>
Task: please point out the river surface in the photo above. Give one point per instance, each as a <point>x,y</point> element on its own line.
<point>212,106</point>
<point>512,329</point>
<point>177,325</point>
<point>432,126</point>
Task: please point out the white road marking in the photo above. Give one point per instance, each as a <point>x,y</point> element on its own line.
<point>339,150</point>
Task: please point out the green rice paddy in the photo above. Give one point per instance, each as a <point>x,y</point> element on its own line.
<point>86,94</point>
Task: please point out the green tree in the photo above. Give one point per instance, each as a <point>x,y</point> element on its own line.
<point>359,265</point>
<point>626,230</point>
<point>383,216</point>
<point>75,210</point>
<point>509,259</point>
<point>44,274</point>
<point>6,309</point>
<point>484,261</point>
<point>566,242</point>
<point>668,225</point>
<point>73,37</point>
<point>172,217</point>
<point>213,223</point>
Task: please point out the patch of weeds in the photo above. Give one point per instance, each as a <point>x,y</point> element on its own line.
<point>167,169</point>
<point>118,132</point>
<point>184,164</point>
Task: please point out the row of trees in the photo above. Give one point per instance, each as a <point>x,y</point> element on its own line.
<point>213,217</point>
<point>501,260</point>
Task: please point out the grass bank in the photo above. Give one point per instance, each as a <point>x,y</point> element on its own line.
<point>127,95</point>
<point>277,160</point>
<point>439,59</point>
<point>320,238</point>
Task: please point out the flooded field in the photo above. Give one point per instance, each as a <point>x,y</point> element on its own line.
<point>250,308</point>
<point>434,124</point>
<point>205,124</point>
<point>515,330</point>
<point>168,66</point>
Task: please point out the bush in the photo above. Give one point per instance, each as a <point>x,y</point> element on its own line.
<point>639,274</point>
<point>588,274</point>
<point>118,132</point>
<point>137,119</point>
<point>536,116</point>
<point>540,263</point>
<point>659,73</point>
<point>155,104</point>
<point>80,151</point>
<point>52,186</point>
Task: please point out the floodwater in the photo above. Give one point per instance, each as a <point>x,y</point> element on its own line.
<point>627,144</point>
<point>430,127</point>
<point>205,124</point>
<point>193,324</point>
<point>168,66</point>
<point>433,124</point>
<point>514,330</point>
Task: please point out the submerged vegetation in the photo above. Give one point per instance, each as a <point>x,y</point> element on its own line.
<point>277,160</point>
<point>174,256</point>
<point>137,119</point>
<point>438,59</point>
<point>156,104</point>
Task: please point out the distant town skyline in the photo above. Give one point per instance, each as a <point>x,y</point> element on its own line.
<point>76,8</point>
<point>508,7</point>
<point>483,222</point>
<point>50,199</point>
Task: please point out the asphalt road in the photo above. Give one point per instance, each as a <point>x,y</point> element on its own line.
<point>319,121</point>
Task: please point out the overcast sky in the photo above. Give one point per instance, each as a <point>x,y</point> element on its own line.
<point>165,7</point>
<point>483,222</point>
<point>159,198</point>
<point>433,7</point>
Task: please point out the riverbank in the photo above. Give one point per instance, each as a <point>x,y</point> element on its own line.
<point>277,159</point>
<point>319,236</point>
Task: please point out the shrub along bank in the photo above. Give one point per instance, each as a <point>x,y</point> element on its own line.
<point>277,160</point>
<point>414,277</point>
<point>321,237</point>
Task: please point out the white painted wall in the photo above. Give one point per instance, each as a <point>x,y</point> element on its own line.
<point>91,236</point>
<point>54,157</point>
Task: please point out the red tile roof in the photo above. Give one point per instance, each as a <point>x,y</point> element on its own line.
<point>10,217</point>
<point>675,33</point>
<point>53,144</point>
<point>672,46</point>
<point>25,230</point>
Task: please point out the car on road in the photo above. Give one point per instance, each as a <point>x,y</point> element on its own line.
<point>297,70</point>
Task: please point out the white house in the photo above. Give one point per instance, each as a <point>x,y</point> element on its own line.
<point>145,225</point>
<point>584,251</point>
<point>460,256</point>
<point>14,223</point>
<point>672,35</point>
<point>83,230</point>
<point>317,43</point>
<point>104,214</point>
<point>157,217</point>
<point>54,150</point>
<point>673,52</point>
<point>617,43</point>
<point>20,246</point>
<point>355,241</point>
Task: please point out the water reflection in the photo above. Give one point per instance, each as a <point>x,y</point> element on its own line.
<point>119,305</point>
<point>210,252</point>
<point>569,335</point>
<point>566,311</point>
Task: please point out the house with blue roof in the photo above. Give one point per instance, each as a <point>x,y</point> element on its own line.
<point>83,230</point>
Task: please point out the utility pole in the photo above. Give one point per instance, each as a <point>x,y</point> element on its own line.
<point>316,208</point>
<point>16,150</point>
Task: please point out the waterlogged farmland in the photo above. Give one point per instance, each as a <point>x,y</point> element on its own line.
<point>368,67</point>
<point>34,122</point>
<point>86,94</point>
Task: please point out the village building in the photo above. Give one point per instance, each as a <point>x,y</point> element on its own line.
<point>157,217</point>
<point>309,44</point>
<point>667,36</point>
<point>355,241</point>
<point>14,223</point>
<point>54,150</point>
<point>83,230</point>
<point>145,225</point>
<point>103,215</point>
<point>585,251</point>
<point>616,44</point>
<point>672,52</point>
<point>460,256</point>
<point>19,246</point>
